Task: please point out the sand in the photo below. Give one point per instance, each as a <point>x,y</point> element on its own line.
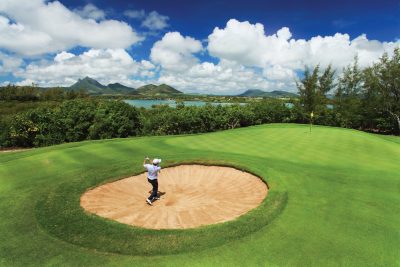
<point>13,150</point>
<point>191,196</point>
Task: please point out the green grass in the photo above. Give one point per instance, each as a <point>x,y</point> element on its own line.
<point>334,200</point>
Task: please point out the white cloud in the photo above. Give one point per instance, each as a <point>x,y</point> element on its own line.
<point>205,77</point>
<point>248,44</point>
<point>226,77</point>
<point>22,39</point>
<point>152,21</point>
<point>155,21</point>
<point>241,42</point>
<point>147,65</point>
<point>5,83</point>
<point>104,65</point>
<point>27,82</point>
<point>9,64</point>
<point>279,73</point>
<point>135,14</point>
<point>182,69</point>
<point>175,52</point>
<point>63,56</point>
<point>43,27</point>
<point>90,11</point>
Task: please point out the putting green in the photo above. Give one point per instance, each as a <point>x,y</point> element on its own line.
<point>334,200</point>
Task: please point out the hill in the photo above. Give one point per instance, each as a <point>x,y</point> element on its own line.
<point>162,89</point>
<point>274,94</point>
<point>120,88</point>
<point>94,87</point>
<point>90,85</point>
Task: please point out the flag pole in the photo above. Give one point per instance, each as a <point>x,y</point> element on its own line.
<point>311,117</point>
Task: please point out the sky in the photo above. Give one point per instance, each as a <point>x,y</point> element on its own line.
<point>214,47</point>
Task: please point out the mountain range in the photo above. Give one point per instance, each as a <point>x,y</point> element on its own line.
<point>94,87</point>
<point>273,94</point>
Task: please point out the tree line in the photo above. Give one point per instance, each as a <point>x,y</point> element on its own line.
<point>367,99</point>
<point>91,119</point>
<point>71,121</point>
<point>34,93</point>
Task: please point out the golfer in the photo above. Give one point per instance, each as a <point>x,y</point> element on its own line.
<point>152,175</point>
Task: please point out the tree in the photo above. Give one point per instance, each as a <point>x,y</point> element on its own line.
<point>348,96</point>
<point>237,116</point>
<point>325,83</point>
<point>77,116</point>
<point>313,89</point>
<point>308,87</point>
<point>22,131</point>
<point>387,72</point>
<point>269,111</point>
<point>114,119</point>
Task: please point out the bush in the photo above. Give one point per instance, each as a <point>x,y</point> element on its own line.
<point>74,120</point>
<point>114,119</point>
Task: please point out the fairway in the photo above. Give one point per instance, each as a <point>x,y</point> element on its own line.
<point>334,199</point>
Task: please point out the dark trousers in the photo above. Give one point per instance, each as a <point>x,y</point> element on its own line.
<point>154,183</point>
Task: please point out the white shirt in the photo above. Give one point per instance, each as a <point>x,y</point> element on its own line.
<point>152,171</point>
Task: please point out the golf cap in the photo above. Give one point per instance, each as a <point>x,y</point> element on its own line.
<point>156,161</point>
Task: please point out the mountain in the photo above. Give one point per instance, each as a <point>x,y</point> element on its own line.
<point>273,94</point>
<point>94,87</point>
<point>90,85</point>
<point>161,89</point>
<point>252,93</point>
<point>120,88</point>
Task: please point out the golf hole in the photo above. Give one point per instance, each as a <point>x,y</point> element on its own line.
<point>190,196</point>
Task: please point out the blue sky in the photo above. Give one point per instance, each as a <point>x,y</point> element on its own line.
<point>380,20</point>
<point>258,44</point>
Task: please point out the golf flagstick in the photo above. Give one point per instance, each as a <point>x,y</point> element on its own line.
<point>311,117</point>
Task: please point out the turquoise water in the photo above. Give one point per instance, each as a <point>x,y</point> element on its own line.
<point>148,103</point>
<point>289,105</point>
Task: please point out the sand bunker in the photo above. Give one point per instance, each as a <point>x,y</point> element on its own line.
<point>191,196</point>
